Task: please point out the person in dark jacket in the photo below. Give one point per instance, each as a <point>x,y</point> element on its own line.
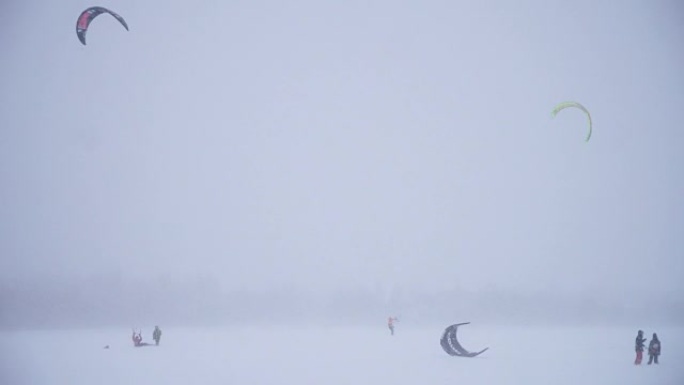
<point>654,349</point>
<point>639,347</point>
<point>156,335</point>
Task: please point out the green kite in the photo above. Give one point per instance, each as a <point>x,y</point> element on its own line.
<point>565,105</point>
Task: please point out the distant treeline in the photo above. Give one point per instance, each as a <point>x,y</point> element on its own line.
<point>106,301</point>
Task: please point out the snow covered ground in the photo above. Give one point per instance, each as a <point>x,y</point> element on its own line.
<point>337,356</point>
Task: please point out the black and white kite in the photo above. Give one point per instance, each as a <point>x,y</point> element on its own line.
<point>450,344</point>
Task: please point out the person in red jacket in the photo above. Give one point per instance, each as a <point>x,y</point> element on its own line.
<point>390,324</point>
<point>639,347</point>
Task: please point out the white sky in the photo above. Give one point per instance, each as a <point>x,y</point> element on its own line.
<point>338,144</point>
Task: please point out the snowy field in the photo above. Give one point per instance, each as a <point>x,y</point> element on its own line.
<point>337,356</point>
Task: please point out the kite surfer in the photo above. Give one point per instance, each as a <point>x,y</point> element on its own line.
<point>639,347</point>
<point>137,339</point>
<point>390,324</point>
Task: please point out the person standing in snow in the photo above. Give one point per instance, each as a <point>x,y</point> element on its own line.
<point>390,324</point>
<point>156,335</point>
<point>639,347</point>
<point>654,349</point>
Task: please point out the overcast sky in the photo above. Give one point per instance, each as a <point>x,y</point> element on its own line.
<point>338,144</point>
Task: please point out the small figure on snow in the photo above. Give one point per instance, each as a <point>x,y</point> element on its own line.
<point>653,349</point>
<point>137,339</point>
<point>639,347</point>
<point>390,324</point>
<point>156,335</point>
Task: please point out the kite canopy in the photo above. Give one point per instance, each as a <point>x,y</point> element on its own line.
<point>450,344</point>
<point>568,104</point>
<point>88,15</point>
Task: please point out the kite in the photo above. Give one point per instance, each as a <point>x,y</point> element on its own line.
<point>450,344</point>
<point>88,15</point>
<point>565,105</point>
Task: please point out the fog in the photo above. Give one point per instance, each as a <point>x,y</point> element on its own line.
<point>308,161</point>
